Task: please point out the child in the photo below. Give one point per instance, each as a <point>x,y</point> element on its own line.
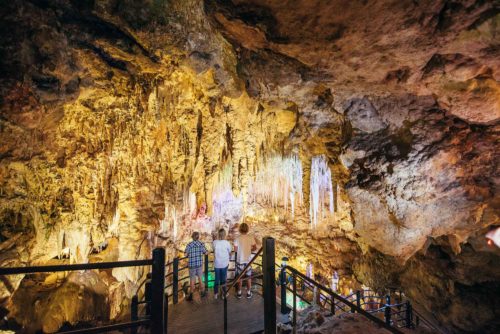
<point>195,251</point>
<point>244,245</point>
<point>222,252</point>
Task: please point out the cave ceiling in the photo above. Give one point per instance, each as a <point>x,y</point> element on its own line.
<point>112,110</point>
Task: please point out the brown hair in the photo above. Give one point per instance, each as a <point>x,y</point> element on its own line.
<point>244,228</point>
<point>222,234</point>
<point>195,235</point>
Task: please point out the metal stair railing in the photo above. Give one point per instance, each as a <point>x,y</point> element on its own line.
<point>234,282</point>
<point>325,297</point>
<point>155,321</point>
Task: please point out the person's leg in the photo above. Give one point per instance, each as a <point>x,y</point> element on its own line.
<point>218,279</point>
<point>200,279</point>
<point>192,280</point>
<point>223,278</point>
<point>240,283</point>
<point>249,283</point>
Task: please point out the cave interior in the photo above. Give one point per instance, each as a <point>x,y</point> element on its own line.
<point>363,136</point>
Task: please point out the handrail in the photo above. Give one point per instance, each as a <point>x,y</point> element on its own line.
<point>156,319</point>
<point>72,267</point>
<point>428,323</point>
<point>353,306</point>
<point>104,329</point>
<point>243,271</point>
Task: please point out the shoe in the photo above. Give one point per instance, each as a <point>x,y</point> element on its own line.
<point>189,297</point>
<point>216,296</point>
<point>238,295</point>
<point>249,294</point>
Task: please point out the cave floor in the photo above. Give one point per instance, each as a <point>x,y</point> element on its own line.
<point>207,315</point>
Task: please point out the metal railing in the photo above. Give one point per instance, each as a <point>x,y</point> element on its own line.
<point>323,297</point>
<point>155,320</point>
<point>233,284</point>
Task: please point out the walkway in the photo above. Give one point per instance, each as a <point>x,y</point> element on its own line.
<point>245,316</point>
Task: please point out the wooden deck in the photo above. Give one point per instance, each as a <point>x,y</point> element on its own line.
<point>244,315</point>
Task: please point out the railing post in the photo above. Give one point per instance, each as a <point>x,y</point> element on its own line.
<point>147,295</point>
<point>175,281</point>
<point>353,310</point>
<point>134,312</point>
<point>269,286</point>
<point>358,298</point>
<point>284,308</point>
<point>235,263</point>
<point>206,272</point>
<point>387,310</point>
<point>157,292</point>
<point>332,300</point>
<point>166,312</point>
<point>408,314</point>
<point>294,294</point>
<point>225,308</point>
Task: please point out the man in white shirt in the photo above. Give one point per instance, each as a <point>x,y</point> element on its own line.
<point>243,245</point>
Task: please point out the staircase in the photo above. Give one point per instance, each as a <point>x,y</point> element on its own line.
<point>160,310</point>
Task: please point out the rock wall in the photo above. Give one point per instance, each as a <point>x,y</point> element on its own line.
<point>112,112</point>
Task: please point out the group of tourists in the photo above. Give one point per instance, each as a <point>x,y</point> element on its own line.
<point>244,244</point>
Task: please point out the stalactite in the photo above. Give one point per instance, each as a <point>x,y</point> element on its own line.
<point>321,190</point>
<point>226,206</point>
<point>278,182</point>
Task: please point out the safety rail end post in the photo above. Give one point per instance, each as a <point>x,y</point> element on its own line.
<point>284,308</point>
<point>157,292</point>
<point>294,294</point>
<point>175,281</point>
<point>147,295</point>
<point>206,271</point>
<point>224,290</point>
<point>409,315</point>
<point>269,286</point>
<point>166,312</point>
<point>332,300</point>
<point>134,312</point>
<point>387,310</point>
<point>358,298</point>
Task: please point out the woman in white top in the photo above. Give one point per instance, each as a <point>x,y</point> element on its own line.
<point>222,252</point>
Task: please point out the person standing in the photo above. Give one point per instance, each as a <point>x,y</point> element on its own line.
<point>195,251</point>
<point>335,281</point>
<point>243,245</point>
<point>222,252</point>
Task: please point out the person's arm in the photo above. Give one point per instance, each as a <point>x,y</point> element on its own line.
<point>254,245</point>
<point>186,251</point>
<point>229,248</point>
<point>205,251</point>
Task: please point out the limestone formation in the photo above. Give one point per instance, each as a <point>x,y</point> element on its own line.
<point>118,119</point>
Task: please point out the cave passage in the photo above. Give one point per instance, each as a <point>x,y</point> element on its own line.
<point>362,136</point>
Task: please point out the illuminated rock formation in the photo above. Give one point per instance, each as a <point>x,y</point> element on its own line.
<point>118,119</point>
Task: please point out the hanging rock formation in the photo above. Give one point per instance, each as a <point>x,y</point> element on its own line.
<point>112,111</point>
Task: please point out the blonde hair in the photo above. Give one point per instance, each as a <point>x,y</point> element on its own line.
<point>222,234</point>
<point>244,228</point>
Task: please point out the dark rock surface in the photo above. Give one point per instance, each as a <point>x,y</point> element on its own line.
<point>110,111</point>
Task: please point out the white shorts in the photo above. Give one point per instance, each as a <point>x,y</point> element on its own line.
<point>241,266</point>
